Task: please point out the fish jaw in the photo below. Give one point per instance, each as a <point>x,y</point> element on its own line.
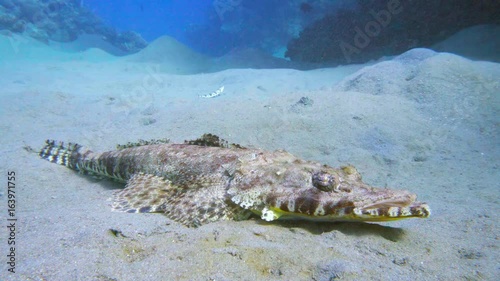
<point>289,188</point>
<point>329,207</point>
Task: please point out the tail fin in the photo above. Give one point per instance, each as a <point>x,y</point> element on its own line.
<point>67,155</point>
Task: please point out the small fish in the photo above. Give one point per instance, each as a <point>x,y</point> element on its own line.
<point>208,179</point>
<point>215,94</point>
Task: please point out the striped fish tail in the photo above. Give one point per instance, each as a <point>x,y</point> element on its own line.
<point>70,155</point>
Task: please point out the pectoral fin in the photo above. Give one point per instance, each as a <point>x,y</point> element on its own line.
<point>146,193</point>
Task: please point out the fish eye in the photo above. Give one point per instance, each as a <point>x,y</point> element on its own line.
<point>323,181</point>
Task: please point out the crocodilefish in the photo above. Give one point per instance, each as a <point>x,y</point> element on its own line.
<point>208,179</point>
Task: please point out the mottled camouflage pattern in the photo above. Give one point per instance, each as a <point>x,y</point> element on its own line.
<point>208,180</point>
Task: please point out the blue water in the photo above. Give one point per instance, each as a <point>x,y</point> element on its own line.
<point>213,27</point>
<point>367,29</point>
<point>153,18</point>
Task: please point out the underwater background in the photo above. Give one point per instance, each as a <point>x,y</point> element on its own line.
<point>406,91</point>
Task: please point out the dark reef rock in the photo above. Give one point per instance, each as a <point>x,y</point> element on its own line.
<point>62,21</point>
<point>380,28</point>
<point>267,25</point>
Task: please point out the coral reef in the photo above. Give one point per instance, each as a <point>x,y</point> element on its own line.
<point>62,21</point>
<point>377,28</point>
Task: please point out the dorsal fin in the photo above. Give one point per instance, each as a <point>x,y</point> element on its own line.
<point>212,140</point>
<point>141,143</point>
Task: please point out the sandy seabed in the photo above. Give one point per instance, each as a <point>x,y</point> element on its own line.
<point>423,121</point>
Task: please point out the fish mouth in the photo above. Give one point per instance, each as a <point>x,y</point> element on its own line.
<point>369,205</point>
<point>393,206</point>
<point>390,212</point>
<point>397,205</point>
<point>387,209</point>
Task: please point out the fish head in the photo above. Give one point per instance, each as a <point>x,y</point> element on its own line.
<point>298,189</point>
